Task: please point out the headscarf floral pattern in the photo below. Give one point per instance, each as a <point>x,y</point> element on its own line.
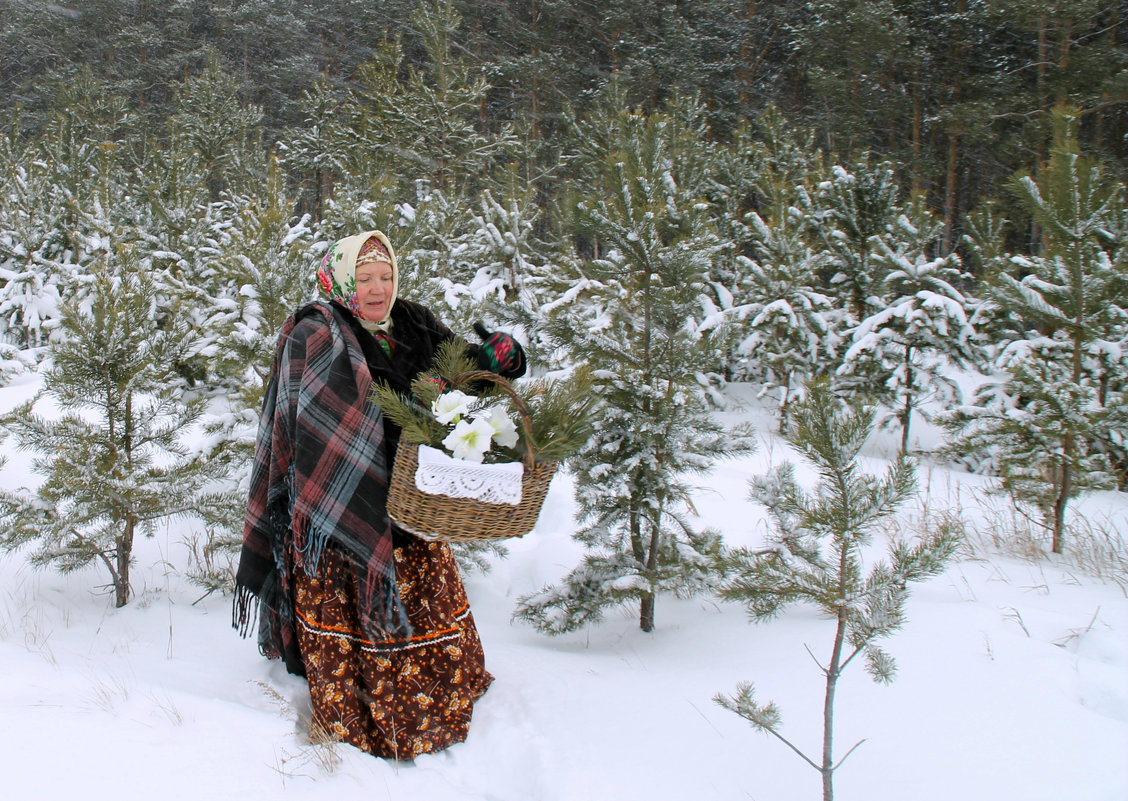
<point>336,275</point>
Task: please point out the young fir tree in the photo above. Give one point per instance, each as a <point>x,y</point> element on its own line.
<point>358,205</point>
<point>113,462</point>
<point>262,269</point>
<point>854,210</point>
<point>222,128</point>
<point>425,123</point>
<point>63,198</point>
<point>520,274</point>
<point>635,315</point>
<point>176,225</point>
<point>502,243</point>
<point>435,264</point>
<point>1068,308</point>
<point>318,149</point>
<point>34,269</point>
<point>816,556</point>
<point>792,326</point>
<point>731,196</point>
<point>909,347</point>
<point>171,183</point>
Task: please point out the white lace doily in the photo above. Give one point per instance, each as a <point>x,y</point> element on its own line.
<point>440,474</point>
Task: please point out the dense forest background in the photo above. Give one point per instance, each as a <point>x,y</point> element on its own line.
<point>956,93</point>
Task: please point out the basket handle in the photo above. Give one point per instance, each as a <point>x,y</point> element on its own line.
<point>518,403</point>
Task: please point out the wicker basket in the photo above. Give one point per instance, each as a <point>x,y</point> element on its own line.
<point>440,517</point>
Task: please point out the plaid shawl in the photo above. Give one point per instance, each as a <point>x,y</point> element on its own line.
<point>319,479</point>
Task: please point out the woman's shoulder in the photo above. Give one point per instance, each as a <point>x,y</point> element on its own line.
<point>312,319</point>
<point>407,314</point>
<point>405,309</point>
<point>319,313</point>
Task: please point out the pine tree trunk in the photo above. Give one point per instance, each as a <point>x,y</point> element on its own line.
<point>125,541</point>
<point>907,410</point>
<point>124,556</point>
<point>646,608</point>
<point>749,61</point>
<point>534,110</point>
<point>646,613</point>
<point>1043,61</point>
<point>832,673</point>
<point>324,190</point>
<point>906,421</point>
<point>1065,49</point>
<point>917,135</point>
<point>1101,137</point>
<point>833,670</point>
<point>950,199</point>
<point>638,551</point>
<point>958,50</point>
<point>785,408</point>
<point>1068,448</point>
<point>1039,158</point>
<point>1065,487</point>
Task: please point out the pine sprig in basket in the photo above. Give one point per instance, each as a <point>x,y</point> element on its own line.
<point>558,411</point>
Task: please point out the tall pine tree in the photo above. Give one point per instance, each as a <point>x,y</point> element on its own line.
<point>636,315</point>
<point>425,123</point>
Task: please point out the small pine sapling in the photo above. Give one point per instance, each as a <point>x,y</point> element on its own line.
<point>113,462</point>
<point>909,346</point>
<point>815,557</point>
<point>1019,429</point>
<point>1062,314</point>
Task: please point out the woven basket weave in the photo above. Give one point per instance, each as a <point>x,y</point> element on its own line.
<point>441,517</point>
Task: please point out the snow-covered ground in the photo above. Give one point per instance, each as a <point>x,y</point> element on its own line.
<point>1013,682</point>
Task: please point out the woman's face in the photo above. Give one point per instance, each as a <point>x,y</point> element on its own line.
<point>374,282</point>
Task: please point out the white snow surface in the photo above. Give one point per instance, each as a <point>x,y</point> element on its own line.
<point>1012,682</point>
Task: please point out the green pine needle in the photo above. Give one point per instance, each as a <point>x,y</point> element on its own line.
<point>559,410</point>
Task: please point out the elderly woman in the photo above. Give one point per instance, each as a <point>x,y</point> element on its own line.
<point>375,619</point>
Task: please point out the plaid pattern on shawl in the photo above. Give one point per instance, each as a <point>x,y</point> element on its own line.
<point>319,477</point>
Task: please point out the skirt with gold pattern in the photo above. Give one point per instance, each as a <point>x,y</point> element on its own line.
<point>396,699</point>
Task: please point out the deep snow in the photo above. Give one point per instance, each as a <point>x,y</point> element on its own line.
<point>1012,683</point>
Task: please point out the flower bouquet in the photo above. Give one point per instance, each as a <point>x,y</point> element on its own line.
<point>464,469</point>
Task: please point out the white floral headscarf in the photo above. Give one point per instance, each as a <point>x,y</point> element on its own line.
<point>336,277</point>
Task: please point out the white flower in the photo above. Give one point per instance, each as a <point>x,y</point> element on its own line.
<point>450,406</point>
<point>504,431</point>
<point>470,440</point>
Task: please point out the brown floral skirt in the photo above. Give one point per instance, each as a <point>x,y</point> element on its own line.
<point>395,698</point>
